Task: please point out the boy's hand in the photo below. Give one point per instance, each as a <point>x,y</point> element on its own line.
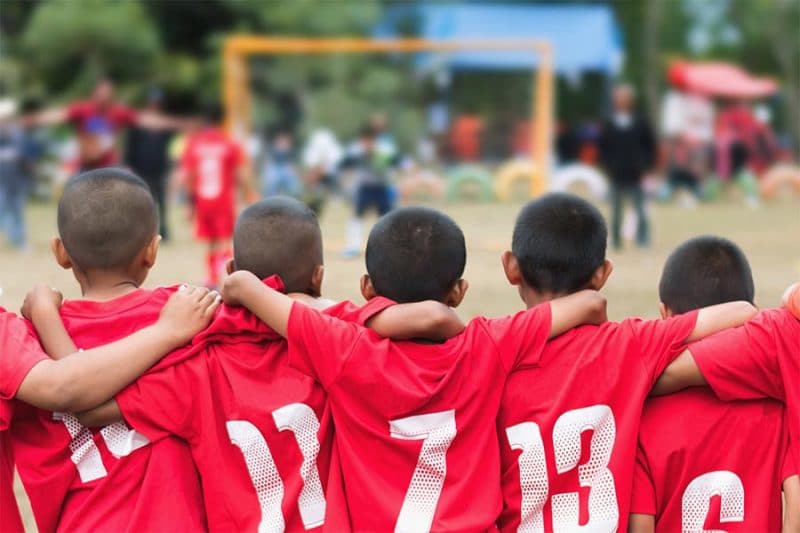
<point>235,286</point>
<point>187,312</point>
<point>41,299</point>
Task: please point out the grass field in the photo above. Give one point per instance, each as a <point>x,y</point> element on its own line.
<point>770,237</point>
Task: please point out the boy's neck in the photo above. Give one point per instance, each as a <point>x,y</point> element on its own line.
<point>532,297</point>
<point>104,286</point>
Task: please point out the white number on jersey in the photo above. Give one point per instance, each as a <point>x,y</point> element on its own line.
<point>209,175</point>
<point>534,485</point>
<point>119,438</point>
<point>697,500</point>
<point>437,431</point>
<point>301,420</point>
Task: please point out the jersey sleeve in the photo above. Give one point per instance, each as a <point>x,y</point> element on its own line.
<point>125,116</point>
<point>742,363</point>
<point>76,111</point>
<point>643,496</point>
<point>320,345</point>
<point>159,404</point>
<point>20,351</point>
<point>661,341</point>
<point>360,315</point>
<point>520,338</point>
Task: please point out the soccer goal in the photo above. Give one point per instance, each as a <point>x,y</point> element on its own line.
<point>239,50</point>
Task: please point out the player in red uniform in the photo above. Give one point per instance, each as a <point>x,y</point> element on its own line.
<point>85,379</point>
<point>692,446</point>
<point>212,166</point>
<point>568,425</point>
<point>97,122</point>
<point>760,359</point>
<point>261,433</point>
<point>414,420</point>
<point>112,479</point>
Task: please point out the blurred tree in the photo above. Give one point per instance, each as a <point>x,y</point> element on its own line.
<point>68,45</point>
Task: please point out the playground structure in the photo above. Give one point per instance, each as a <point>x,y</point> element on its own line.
<point>236,91</point>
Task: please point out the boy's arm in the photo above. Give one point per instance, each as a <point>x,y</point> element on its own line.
<point>101,416</point>
<point>423,320</point>
<point>681,374</point>
<point>89,378</point>
<point>583,307</point>
<point>270,306</point>
<point>716,318</point>
<point>41,307</point>
<point>791,496</point>
<point>641,523</point>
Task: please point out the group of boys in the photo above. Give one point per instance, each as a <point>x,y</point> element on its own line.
<point>529,422</point>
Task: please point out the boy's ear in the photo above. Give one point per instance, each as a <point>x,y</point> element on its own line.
<point>367,288</point>
<point>665,311</point>
<point>457,293</point>
<point>230,266</point>
<point>601,275</point>
<point>511,268</point>
<point>151,252</point>
<point>315,289</point>
<point>60,253</point>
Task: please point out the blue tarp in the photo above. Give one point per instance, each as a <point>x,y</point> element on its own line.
<point>584,38</point>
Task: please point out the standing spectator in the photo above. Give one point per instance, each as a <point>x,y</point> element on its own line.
<point>147,153</point>
<point>627,150</point>
<point>280,172</point>
<point>16,152</point>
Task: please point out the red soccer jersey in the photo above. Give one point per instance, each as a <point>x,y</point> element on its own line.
<point>568,426</point>
<point>97,131</point>
<point>260,432</point>
<point>760,359</point>
<point>211,159</point>
<point>414,422</point>
<point>707,465</point>
<point>19,353</point>
<point>111,479</point>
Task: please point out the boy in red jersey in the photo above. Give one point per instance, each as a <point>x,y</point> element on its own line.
<point>112,479</point>
<point>760,359</point>
<point>568,426</point>
<point>213,167</point>
<point>414,420</point>
<point>679,465</point>
<point>85,379</point>
<point>261,433</point>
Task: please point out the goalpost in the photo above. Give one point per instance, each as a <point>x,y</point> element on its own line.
<point>236,92</point>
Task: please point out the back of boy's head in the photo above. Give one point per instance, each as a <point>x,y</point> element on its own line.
<point>106,217</point>
<point>705,271</point>
<point>279,236</point>
<point>415,254</point>
<point>559,242</point>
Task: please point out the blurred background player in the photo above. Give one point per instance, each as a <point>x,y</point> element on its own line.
<point>371,159</point>
<point>97,122</point>
<point>214,170</point>
<point>679,464</point>
<point>280,170</point>
<point>147,154</point>
<point>17,150</point>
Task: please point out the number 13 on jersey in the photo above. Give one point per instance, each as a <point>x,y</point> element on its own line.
<point>593,474</point>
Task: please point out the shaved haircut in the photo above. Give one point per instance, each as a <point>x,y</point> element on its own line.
<point>279,236</point>
<point>106,217</point>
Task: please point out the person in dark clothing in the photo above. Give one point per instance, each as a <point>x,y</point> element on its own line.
<point>627,149</point>
<point>147,154</point>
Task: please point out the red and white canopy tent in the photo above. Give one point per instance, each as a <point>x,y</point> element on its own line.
<point>718,79</point>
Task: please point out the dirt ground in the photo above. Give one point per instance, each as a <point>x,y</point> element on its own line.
<point>770,237</point>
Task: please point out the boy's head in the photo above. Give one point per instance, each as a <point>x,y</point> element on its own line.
<point>558,247</point>
<point>415,254</point>
<point>280,236</point>
<point>704,271</point>
<point>107,222</point>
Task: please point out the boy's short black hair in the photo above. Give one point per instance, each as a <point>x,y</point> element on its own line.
<point>559,242</point>
<point>106,217</point>
<point>705,271</point>
<point>280,236</point>
<point>415,254</point>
